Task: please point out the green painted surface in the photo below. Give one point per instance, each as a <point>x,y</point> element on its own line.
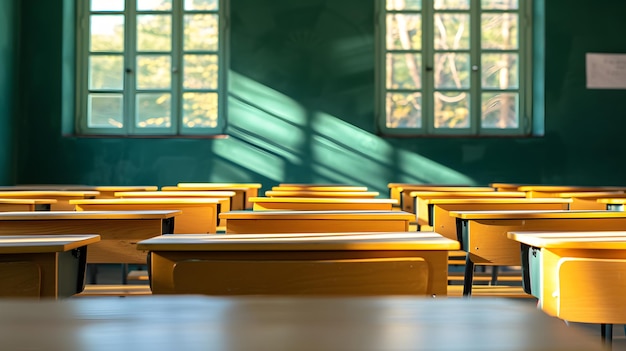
<point>301,109</point>
<point>7,89</point>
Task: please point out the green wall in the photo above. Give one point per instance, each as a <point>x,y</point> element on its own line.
<point>7,89</point>
<point>302,103</point>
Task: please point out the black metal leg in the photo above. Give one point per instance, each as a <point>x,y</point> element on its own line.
<point>124,273</point>
<point>468,277</point>
<point>606,333</point>
<point>494,275</point>
<point>92,273</point>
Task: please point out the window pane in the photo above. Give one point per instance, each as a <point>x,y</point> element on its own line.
<point>452,4</point>
<point>154,5</point>
<point>191,5</point>
<point>154,72</point>
<point>404,110</point>
<point>452,70</point>
<point>404,5</point>
<point>154,33</point>
<point>200,110</point>
<point>499,31</point>
<point>105,111</point>
<point>106,72</point>
<point>200,72</point>
<point>452,31</point>
<point>106,33</point>
<point>201,32</point>
<point>452,110</point>
<point>500,110</point>
<point>404,32</point>
<point>107,5</point>
<point>499,4</point>
<point>153,111</point>
<point>500,71</point>
<point>404,71</point>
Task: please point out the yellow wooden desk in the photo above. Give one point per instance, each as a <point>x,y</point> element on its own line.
<point>353,264</point>
<point>119,230</point>
<point>483,234</point>
<point>326,194</point>
<point>506,186</point>
<point>104,191</point>
<point>320,203</point>
<point>400,191</point>
<point>577,276</point>
<point>419,199</point>
<point>62,197</point>
<point>555,190</point>
<point>588,200</point>
<point>7,205</point>
<point>318,187</point>
<point>315,221</point>
<point>243,191</point>
<point>612,203</point>
<point>195,323</point>
<point>43,266</point>
<point>198,215</point>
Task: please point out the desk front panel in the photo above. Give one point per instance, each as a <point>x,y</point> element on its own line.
<point>261,226</point>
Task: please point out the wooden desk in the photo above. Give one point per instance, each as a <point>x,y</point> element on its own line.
<point>613,203</point>
<point>62,197</point>
<point>326,194</point>
<point>43,266</point>
<point>483,234</point>
<point>198,215</point>
<point>588,200</point>
<point>104,191</point>
<point>360,264</point>
<point>555,190</point>
<point>243,191</point>
<point>194,323</point>
<point>240,222</point>
<point>400,191</point>
<point>217,194</point>
<point>320,203</point>
<point>419,199</point>
<point>119,230</point>
<point>19,205</point>
<point>318,187</point>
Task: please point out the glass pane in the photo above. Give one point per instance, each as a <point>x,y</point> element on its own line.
<point>452,110</point>
<point>106,33</point>
<point>201,32</point>
<point>153,110</point>
<point>154,5</point>
<point>404,32</point>
<point>404,5</point>
<point>201,71</point>
<point>106,72</point>
<point>200,110</point>
<point>452,4</point>
<point>191,5</point>
<point>154,72</point>
<point>105,111</point>
<point>452,31</point>
<point>500,71</point>
<point>404,71</point>
<point>154,33</point>
<point>107,5</point>
<point>499,4</point>
<point>452,70</point>
<point>500,110</point>
<point>404,110</point>
<point>499,31</point>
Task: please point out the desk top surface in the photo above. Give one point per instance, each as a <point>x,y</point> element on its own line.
<point>20,201</point>
<point>219,185</point>
<point>330,214</point>
<point>46,193</point>
<point>615,240</point>
<point>185,193</point>
<point>613,201</point>
<point>300,241</point>
<point>147,201</point>
<point>537,214</point>
<point>72,215</point>
<point>569,188</point>
<point>305,193</point>
<point>321,200</point>
<point>78,187</point>
<point>190,323</point>
<point>11,244</point>
<point>309,187</point>
<point>497,200</point>
<point>592,194</point>
<point>438,187</point>
<point>457,194</point>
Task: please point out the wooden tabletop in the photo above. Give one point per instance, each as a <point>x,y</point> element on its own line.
<point>305,193</point>
<point>612,240</point>
<point>19,201</point>
<point>458,194</point>
<point>298,187</point>
<point>219,185</point>
<point>612,201</point>
<point>47,193</point>
<point>338,214</point>
<point>12,244</point>
<point>55,215</point>
<point>193,323</point>
<point>569,188</point>
<point>77,187</point>
<point>506,200</point>
<point>334,200</point>
<point>146,201</point>
<point>297,242</point>
<point>592,194</point>
<point>530,214</point>
<point>186,193</point>
<point>437,187</point>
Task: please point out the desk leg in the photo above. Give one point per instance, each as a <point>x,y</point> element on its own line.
<point>468,277</point>
<point>494,275</point>
<point>606,333</point>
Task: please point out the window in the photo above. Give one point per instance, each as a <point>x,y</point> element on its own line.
<point>151,67</point>
<point>454,67</point>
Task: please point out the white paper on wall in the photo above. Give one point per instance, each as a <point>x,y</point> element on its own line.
<point>606,71</point>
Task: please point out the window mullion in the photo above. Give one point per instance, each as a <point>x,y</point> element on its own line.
<point>476,69</point>
<point>428,56</point>
<point>130,64</point>
<point>177,66</point>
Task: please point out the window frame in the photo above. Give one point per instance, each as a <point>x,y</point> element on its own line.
<point>527,125</point>
<point>176,128</point>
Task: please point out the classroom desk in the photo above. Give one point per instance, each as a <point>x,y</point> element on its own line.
<point>555,190</point>
<point>43,266</point>
<point>198,216</point>
<point>576,276</point>
<point>243,191</point>
<point>62,197</point>
<point>318,187</point>
<point>104,191</point>
<point>315,221</point>
<point>326,194</point>
<point>320,203</point>
<point>400,191</point>
<point>588,200</point>
<point>20,205</point>
<point>194,323</point>
<point>353,264</point>
<point>613,203</point>
<point>119,230</point>
<point>483,234</point>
